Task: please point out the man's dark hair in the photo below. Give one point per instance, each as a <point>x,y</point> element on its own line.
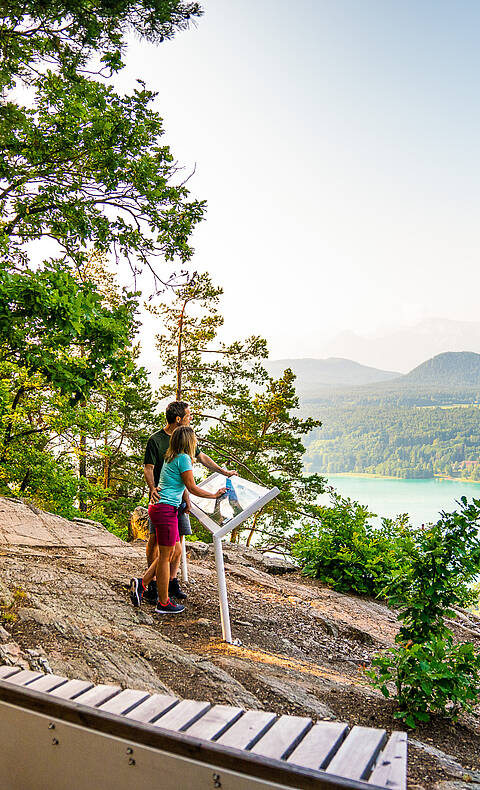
<point>175,409</point>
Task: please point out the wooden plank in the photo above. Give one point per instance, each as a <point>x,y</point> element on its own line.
<point>214,722</point>
<point>47,682</point>
<point>23,677</point>
<point>357,753</point>
<point>319,745</point>
<point>183,715</point>
<point>391,768</point>
<point>97,695</point>
<point>247,730</point>
<point>152,708</point>
<point>282,738</point>
<point>124,702</point>
<point>71,689</point>
<point>6,671</point>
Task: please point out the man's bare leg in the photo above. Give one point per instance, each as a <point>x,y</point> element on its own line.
<point>151,549</point>
<point>176,557</point>
<point>151,572</point>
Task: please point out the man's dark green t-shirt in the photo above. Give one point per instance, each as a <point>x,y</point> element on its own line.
<point>155,451</point>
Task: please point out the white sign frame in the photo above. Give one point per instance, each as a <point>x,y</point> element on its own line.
<point>218,533</point>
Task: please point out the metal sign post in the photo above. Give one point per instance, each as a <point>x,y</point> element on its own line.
<point>241,500</point>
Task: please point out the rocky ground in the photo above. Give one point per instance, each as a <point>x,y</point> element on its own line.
<point>303,646</point>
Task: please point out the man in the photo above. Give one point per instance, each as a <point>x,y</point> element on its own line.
<point>177,413</point>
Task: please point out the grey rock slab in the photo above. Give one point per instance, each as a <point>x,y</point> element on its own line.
<point>278,564</point>
<point>197,549</point>
<point>231,689</point>
<point>295,694</point>
<point>21,525</point>
<point>448,762</point>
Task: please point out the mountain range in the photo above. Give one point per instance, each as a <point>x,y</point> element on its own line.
<point>405,348</point>
<point>313,374</point>
<point>449,369</point>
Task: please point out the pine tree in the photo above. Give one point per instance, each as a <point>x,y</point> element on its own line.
<point>244,417</point>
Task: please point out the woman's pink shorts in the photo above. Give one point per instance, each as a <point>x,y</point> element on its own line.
<point>165,520</point>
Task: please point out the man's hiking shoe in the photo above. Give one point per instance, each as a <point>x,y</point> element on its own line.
<point>151,593</point>
<point>136,591</point>
<point>169,608</point>
<point>175,590</point>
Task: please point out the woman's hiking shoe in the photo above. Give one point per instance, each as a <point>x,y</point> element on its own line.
<point>136,591</point>
<point>169,608</point>
<point>175,590</point>
<point>151,593</point>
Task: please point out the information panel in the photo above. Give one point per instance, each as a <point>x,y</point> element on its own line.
<point>240,496</point>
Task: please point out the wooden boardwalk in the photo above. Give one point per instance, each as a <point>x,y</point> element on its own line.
<point>189,742</point>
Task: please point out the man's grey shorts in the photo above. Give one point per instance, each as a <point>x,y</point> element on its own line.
<point>184,527</point>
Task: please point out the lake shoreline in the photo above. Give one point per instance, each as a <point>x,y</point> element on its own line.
<point>372,475</point>
<point>422,498</point>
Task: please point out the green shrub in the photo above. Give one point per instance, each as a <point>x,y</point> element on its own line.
<point>346,552</point>
<point>434,677</point>
<point>98,514</point>
<point>431,673</point>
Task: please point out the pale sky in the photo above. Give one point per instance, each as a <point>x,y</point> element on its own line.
<point>336,142</point>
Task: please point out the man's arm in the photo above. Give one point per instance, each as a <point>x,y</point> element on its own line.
<point>148,472</point>
<point>210,464</point>
<point>186,499</point>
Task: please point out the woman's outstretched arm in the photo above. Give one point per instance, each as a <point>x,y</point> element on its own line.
<point>192,487</point>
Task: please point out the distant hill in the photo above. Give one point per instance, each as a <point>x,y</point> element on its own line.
<point>313,374</point>
<point>423,424</point>
<point>456,369</point>
<point>406,347</point>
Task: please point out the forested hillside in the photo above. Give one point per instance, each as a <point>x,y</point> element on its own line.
<point>402,441</point>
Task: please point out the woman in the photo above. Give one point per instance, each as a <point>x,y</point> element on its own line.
<point>176,475</point>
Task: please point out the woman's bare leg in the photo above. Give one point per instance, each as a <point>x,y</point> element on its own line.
<point>163,572</point>
<point>149,575</point>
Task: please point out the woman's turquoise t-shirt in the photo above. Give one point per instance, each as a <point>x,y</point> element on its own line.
<point>171,484</point>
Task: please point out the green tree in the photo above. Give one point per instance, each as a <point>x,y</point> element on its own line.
<point>75,408</point>
<point>244,416</point>
<point>65,35</point>
<point>84,168</point>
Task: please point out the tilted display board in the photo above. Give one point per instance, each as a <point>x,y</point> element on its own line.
<point>241,500</point>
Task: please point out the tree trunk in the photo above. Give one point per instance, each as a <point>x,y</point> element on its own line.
<point>178,394</point>
<point>254,526</point>
<point>107,461</point>
<point>82,462</point>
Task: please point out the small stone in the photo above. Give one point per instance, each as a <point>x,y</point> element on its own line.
<point>144,618</point>
<point>4,635</point>
<point>203,621</point>
<point>278,564</point>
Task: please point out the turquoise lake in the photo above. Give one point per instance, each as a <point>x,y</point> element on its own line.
<point>421,499</point>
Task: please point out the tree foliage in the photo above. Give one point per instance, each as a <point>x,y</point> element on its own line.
<point>245,417</point>
<point>84,168</point>
<point>64,35</point>
<point>410,433</point>
<point>431,673</point>
<point>84,178</point>
<point>347,552</point>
